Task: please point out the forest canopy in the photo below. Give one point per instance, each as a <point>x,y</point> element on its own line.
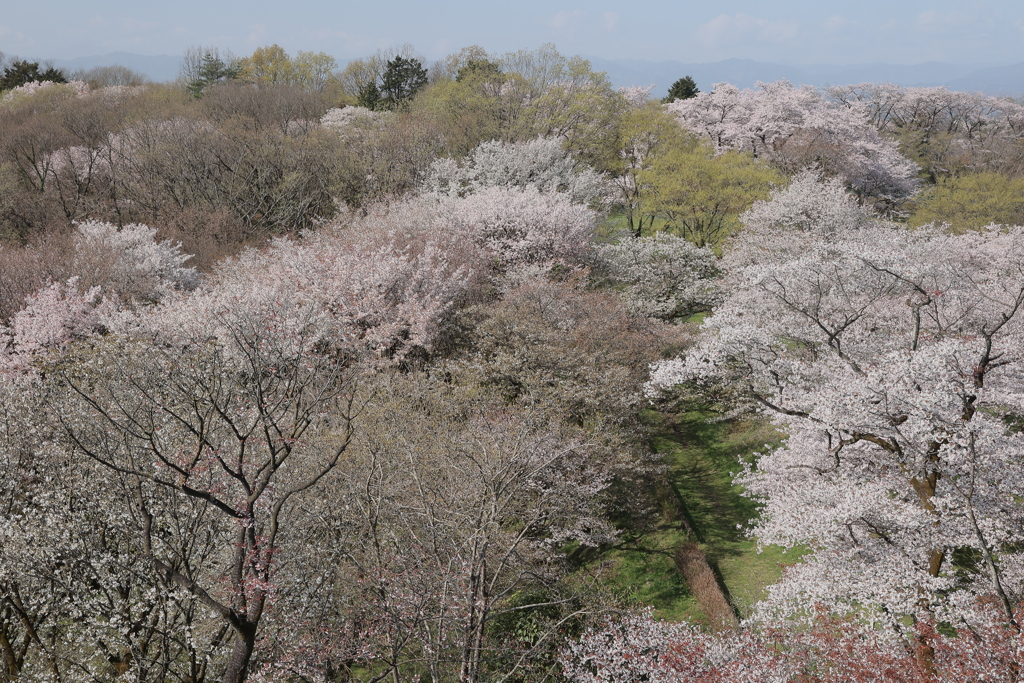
<point>486,370</point>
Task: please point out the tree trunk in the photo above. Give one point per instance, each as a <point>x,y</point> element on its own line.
<point>238,665</point>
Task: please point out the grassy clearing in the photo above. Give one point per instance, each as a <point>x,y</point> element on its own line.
<point>615,223</point>
<point>701,457</point>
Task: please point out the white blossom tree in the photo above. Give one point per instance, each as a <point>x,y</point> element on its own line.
<point>79,601</point>
<point>542,163</point>
<point>664,276</point>
<point>188,432</point>
<point>892,359</point>
<point>238,429</point>
<point>130,262</point>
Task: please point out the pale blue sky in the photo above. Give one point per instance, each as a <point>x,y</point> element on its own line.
<point>795,31</point>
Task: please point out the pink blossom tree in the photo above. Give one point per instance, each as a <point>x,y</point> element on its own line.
<point>496,231</point>
<point>799,127</point>
<point>947,131</point>
<point>53,316</point>
<point>636,647</point>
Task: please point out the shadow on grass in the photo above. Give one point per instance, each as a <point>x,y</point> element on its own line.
<point>701,457</point>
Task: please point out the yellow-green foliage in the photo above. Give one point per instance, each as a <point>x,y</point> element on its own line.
<point>640,135</point>
<point>465,113</point>
<point>579,105</point>
<point>271,65</point>
<point>972,201</point>
<point>699,194</point>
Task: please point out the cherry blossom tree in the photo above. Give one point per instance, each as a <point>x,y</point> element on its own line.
<point>809,204</point>
<point>946,131</point>
<point>77,88</point>
<point>78,601</point>
<point>449,516</point>
<point>891,358</point>
<point>53,316</point>
<point>129,261</point>
<point>799,127</point>
<point>113,267</point>
<point>236,427</point>
<point>521,227</point>
<point>542,163</point>
<point>664,276</point>
<point>342,120</point>
<point>496,231</point>
<point>203,420</point>
<point>637,95</point>
<point>359,296</point>
<point>636,647</point>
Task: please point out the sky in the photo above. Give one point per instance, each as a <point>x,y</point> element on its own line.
<point>796,32</point>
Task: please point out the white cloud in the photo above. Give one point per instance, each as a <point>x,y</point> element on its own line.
<point>726,29</point>
<point>611,21</point>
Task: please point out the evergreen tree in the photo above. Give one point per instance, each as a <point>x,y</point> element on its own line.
<point>212,69</point>
<point>683,89</point>
<point>401,80</point>
<point>23,71</point>
<point>369,96</point>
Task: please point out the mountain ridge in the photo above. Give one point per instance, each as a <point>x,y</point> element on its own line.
<point>1005,79</point>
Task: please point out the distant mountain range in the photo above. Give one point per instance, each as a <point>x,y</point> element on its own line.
<point>994,80</point>
<point>159,67</point>
<point>744,73</point>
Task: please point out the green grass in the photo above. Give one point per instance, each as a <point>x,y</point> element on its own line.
<point>701,457</point>
<point>615,223</point>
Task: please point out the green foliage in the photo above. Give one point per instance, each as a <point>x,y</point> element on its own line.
<point>22,71</point>
<point>640,135</point>
<point>570,100</point>
<point>270,66</point>
<point>402,79</point>
<point>701,195</point>
<point>266,66</point>
<point>212,69</point>
<point>369,96</point>
<point>463,113</point>
<point>973,201</point>
<point>683,89</point>
<point>384,85</point>
<point>479,69</point>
